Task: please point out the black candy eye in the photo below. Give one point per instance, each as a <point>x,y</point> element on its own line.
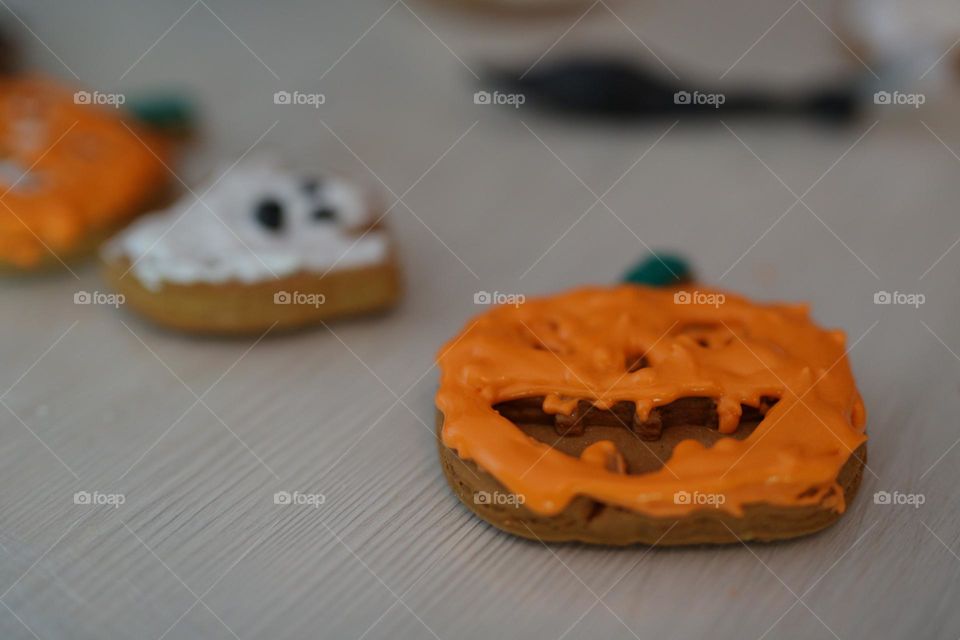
<point>269,213</point>
<point>325,214</point>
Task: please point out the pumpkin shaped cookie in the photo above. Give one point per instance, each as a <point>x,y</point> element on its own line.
<point>635,415</point>
<point>71,172</point>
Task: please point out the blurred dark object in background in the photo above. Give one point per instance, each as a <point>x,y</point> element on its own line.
<point>9,53</point>
<point>620,90</point>
<point>516,9</point>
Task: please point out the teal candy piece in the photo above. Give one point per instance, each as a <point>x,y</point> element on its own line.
<point>164,111</point>
<point>660,270</point>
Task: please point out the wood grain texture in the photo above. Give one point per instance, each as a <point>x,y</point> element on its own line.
<point>198,435</point>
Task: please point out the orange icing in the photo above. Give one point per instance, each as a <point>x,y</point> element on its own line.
<point>577,345</point>
<point>85,171</point>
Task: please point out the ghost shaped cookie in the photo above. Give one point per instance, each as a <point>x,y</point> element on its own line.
<point>260,247</point>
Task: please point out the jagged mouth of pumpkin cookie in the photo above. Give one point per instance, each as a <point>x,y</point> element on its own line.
<point>645,445</point>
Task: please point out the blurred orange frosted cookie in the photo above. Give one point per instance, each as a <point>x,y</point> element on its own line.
<point>71,172</point>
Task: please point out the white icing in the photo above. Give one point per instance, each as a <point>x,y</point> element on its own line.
<point>223,241</point>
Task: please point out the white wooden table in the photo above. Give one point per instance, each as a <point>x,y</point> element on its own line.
<point>198,435</point>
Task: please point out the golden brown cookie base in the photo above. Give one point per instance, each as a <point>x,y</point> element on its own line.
<point>587,520</point>
<point>235,308</point>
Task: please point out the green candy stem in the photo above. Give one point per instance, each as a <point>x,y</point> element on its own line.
<point>166,112</point>
<point>660,270</point>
